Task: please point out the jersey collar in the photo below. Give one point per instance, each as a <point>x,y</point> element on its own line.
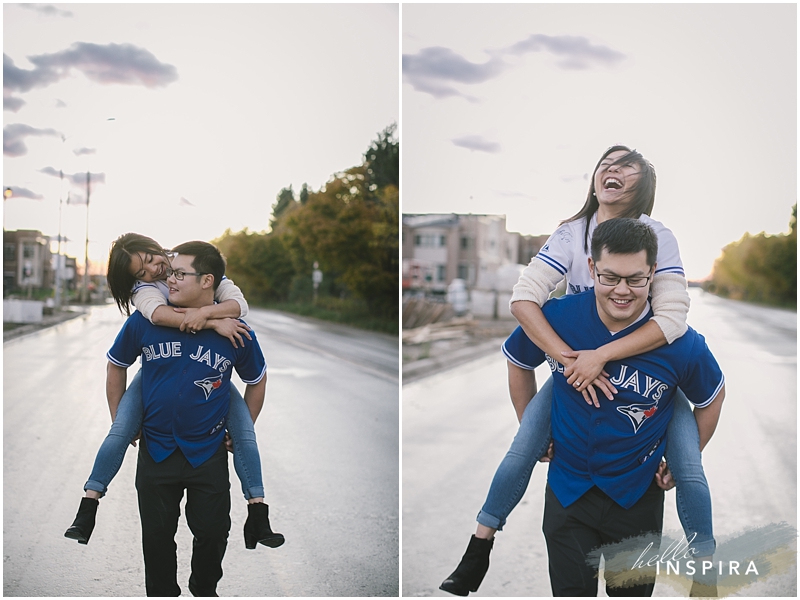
<point>639,318</point>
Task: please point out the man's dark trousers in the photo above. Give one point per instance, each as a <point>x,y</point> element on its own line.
<point>588,523</point>
<point>160,488</point>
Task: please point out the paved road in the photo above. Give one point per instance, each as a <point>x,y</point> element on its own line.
<point>328,436</point>
<point>457,426</point>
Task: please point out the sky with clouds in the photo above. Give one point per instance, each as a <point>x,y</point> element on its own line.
<point>507,109</point>
<point>190,117</point>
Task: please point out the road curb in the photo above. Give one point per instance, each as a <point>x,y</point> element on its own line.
<point>33,328</point>
<point>419,369</point>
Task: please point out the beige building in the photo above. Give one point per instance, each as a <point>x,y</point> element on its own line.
<point>438,248</point>
<point>27,262</point>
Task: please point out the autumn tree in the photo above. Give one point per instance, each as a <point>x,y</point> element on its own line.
<point>349,226</point>
<point>353,234</point>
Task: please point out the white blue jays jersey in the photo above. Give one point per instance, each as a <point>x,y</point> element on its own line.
<point>618,446</point>
<point>185,384</point>
<point>565,252</point>
<point>159,284</point>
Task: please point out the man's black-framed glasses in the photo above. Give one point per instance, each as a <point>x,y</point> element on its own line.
<point>632,282</point>
<point>180,274</point>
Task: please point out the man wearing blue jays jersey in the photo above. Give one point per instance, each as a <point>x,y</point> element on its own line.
<point>606,479</point>
<point>186,394</point>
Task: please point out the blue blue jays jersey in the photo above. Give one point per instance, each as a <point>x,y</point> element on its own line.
<point>618,446</point>
<point>185,384</point>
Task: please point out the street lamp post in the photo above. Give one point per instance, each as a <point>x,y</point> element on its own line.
<point>85,290</point>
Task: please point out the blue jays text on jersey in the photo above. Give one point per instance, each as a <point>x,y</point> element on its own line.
<point>173,350</point>
<point>641,383</point>
<point>185,384</point>
<point>618,446</point>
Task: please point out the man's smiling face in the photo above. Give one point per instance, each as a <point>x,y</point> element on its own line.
<point>620,305</point>
<point>188,292</point>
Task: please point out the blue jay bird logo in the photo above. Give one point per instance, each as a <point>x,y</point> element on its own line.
<point>209,384</point>
<point>638,413</point>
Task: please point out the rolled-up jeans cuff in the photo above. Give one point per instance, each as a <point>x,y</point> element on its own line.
<point>254,492</point>
<point>95,486</point>
<point>488,520</point>
<point>704,548</point>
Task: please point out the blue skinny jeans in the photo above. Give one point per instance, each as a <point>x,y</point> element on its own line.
<point>683,456</point>
<point>128,422</point>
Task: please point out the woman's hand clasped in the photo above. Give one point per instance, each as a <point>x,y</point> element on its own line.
<point>664,478</point>
<point>194,319</point>
<point>585,373</point>
<point>233,329</point>
<point>547,456</point>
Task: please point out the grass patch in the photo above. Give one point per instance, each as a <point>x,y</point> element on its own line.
<point>765,302</point>
<point>346,312</point>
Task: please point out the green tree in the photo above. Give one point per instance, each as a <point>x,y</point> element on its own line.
<point>382,160</point>
<point>258,263</point>
<point>759,268</point>
<point>283,204</point>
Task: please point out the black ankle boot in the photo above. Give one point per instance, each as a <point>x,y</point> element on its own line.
<point>83,525</point>
<point>704,586</point>
<point>257,529</point>
<point>471,570</point>
<point>703,590</point>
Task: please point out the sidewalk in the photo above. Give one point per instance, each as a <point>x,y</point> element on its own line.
<point>48,321</point>
<point>426,358</point>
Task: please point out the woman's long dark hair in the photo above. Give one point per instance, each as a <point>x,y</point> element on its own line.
<point>644,192</point>
<point>120,280</point>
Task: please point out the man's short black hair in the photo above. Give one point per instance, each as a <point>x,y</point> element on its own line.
<point>625,236</point>
<point>207,259</point>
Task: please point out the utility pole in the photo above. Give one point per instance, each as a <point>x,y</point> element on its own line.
<point>58,258</point>
<point>85,294</point>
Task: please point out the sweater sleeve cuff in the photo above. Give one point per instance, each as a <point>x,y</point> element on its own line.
<point>243,308</point>
<point>228,290</point>
<point>536,283</point>
<point>147,305</point>
<point>670,302</point>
